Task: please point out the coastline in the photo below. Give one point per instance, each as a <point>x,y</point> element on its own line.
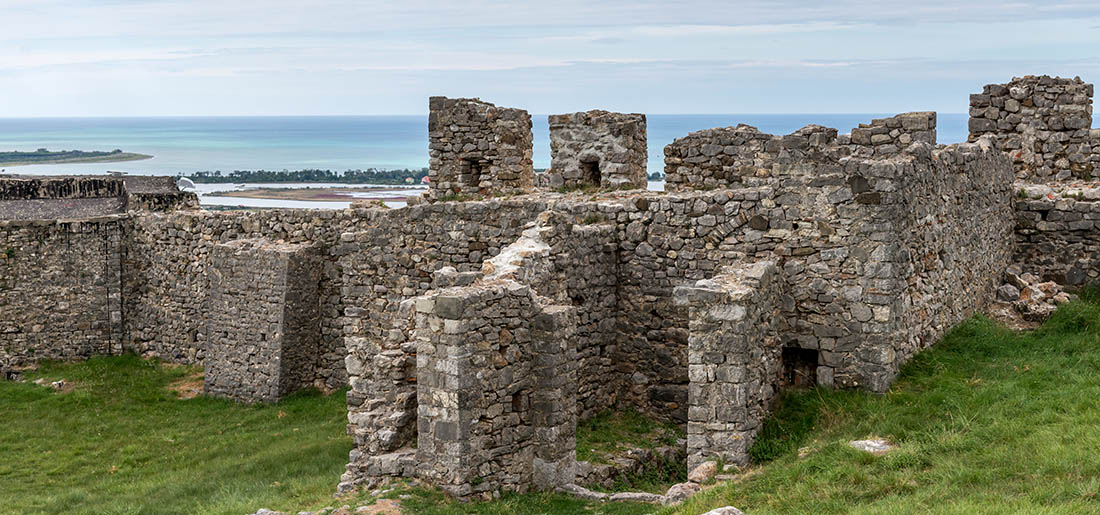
<point>318,194</point>
<point>114,158</point>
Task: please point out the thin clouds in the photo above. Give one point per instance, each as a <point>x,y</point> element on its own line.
<point>672,55</point>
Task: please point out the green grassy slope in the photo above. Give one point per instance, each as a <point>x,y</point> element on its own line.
<point>120,442</point>
<point>988,421</point>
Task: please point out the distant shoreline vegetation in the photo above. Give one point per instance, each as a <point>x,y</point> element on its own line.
<point>43,157</point>
<point>368,176</point>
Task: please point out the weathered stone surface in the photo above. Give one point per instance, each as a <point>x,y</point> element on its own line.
<point>1058,233</point>
<point>262,315</point>
<point>1043,123</point>
<point>477,148</point>
<point>725,510</point>
<point>703,472</point>
<point>679,493</point>
<point>598,148</point>
<point>637,497</point>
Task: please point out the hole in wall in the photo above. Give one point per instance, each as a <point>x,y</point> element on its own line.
<point>799,367</point>
<point>590,171</point>
<point>471,173</point>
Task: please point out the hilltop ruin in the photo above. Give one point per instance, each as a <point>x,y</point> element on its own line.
<point>484,321</point>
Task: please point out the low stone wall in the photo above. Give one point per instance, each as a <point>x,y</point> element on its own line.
<point>262,320</point>
<point>598,148</point>
<point>1058,232</point>
<point>733,359</point>
<point>887,136</point>
<point>60,290</point>
<point>29,187</point>
<point>721,158</point>
<point>630,464</point>
<point>1043,123</point>
<point>477,148</point>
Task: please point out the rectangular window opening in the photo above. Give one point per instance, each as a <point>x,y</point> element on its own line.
<point>590,172</point>
<point>471,173</point>
<point>799,368</point>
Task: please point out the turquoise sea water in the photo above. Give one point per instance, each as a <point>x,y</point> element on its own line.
<point>185,145</point>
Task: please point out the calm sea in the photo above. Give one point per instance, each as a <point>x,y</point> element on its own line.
<point>185,145</point>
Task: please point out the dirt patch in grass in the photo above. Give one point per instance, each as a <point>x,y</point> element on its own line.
<point>381,507</point>
<point>1006,314</point>
<point>186,387</point>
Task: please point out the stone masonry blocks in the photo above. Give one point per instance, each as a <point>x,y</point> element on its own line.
<point>263,320</point>
<point>1043,123</point>
<point>477,148</point>
<point>496,390</point>
<point>733,359</point>
<point>598,148</point>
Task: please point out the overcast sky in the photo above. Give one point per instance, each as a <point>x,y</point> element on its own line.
<point>272,57</point>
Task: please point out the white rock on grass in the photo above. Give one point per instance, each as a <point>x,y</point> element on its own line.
<point>680,492</point>
<point>636,497</point>
<point>875,447</point>
<point>704,472</point>
<point>725,510</point>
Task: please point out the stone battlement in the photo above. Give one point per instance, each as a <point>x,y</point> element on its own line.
<point>476,327</point>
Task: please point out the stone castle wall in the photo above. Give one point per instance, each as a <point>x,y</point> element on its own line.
<point>1058,233</point>
<point>730,156</point>
<point>497,383</point>
<point>168,259</point>
<point>60,290</point>
<point>598,149</point>
<point>1043,123</point>
<point>483,330</point>
<point>477,148</point>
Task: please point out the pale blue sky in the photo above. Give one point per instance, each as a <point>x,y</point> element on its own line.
<point>276,57</point>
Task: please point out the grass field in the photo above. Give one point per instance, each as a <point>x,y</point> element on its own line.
<point>121,442</point>
<point>988,421</point>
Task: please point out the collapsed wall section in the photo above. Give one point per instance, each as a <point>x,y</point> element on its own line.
<point>477,148</point>
<point>60,289</point>
<point>598,149</point>
<point>733,359</point>
<point>262,319</point>
<point>1058,233</point>
<point>1043,123</point>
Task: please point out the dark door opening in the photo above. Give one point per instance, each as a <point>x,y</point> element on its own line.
<point>799,368</point>
<point>590,172</point>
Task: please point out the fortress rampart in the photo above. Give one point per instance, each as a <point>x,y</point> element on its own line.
<point>476,326</point>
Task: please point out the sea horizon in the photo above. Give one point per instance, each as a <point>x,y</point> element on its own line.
<point>183,145</point>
